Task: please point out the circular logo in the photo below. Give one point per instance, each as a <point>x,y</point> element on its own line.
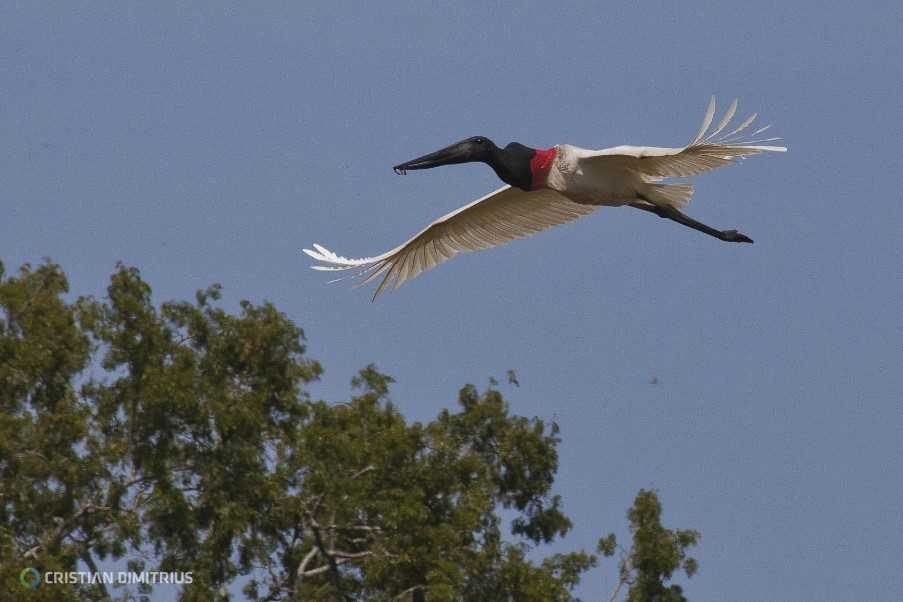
<point>30,577</point>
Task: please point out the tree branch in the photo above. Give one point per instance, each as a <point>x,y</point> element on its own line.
<point>302,568</point>
<point>624,569</point>
<point>363,471</point>
<point>86,556</point>
<point>410,590</point>
<point>333,566</point>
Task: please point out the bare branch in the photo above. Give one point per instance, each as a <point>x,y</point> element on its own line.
<point>624,569</point>
<point>410,590</point>
<point>349,555</point>
<point>302,568</point>
<point>316,571</point>
<point>89,560</point>
<point>325,567</point>
<point>333,566</point>
<point>363,471</point>
<point>65,527</point>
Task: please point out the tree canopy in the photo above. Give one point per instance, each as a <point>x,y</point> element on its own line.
<point>183,438</point>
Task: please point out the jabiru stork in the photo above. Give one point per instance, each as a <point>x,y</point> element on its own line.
<point>545,188</point>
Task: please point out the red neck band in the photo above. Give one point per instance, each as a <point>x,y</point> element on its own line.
<point>540,165</point>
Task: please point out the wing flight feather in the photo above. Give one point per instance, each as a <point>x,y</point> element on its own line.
<point>495,219</point>
<point>704,153</point>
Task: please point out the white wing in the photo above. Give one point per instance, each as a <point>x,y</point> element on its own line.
<point>495,219</point>
<point>705,152</point>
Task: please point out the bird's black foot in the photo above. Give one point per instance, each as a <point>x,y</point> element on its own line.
<point>734,236</point>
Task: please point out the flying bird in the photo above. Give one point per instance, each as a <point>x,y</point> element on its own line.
<point>549,187</point>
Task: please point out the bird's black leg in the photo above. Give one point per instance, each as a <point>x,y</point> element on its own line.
<point>681,218</point>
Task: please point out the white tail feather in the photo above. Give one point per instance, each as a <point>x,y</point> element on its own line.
<point>676,195</point>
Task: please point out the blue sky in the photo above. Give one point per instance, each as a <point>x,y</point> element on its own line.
<point>211,143</point>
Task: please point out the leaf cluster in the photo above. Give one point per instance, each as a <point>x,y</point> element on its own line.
<point>654,556</point>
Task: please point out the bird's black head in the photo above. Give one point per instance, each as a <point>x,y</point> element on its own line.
<point>476,148</point>
<point>511,164</point>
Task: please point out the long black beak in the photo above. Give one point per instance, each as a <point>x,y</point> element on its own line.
<point>458,152</point>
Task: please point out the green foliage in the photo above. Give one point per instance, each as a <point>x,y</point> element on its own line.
<point>182,438</point>
<point>43,423</point>
<point>655,555</point>
<point>607,545</point>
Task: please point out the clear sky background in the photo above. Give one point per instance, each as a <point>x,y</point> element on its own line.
<point>211,143</point>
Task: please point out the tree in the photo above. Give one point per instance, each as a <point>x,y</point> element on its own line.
<point>182,438</point>
<point>654,556</point>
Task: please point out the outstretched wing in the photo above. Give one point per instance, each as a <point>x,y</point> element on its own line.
<point>495,219</point>
<point>708,150</point>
